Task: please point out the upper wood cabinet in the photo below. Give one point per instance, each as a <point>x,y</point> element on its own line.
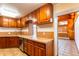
<point>43,14</point>
<point>1,21</point>
<point>38,15</point>
<point>5,22</point>
<point>10,22</point>
<point>23,22</point>
<point>18,23</point>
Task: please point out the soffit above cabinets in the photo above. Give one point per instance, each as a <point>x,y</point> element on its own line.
<point>21,8</point>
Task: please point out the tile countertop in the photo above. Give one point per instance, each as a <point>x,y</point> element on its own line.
<point>39,39</point>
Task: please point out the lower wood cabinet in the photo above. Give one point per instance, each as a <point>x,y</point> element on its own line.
<point>30,49</point>
<point>7,42</point>
<point>40,51</point>
<point>34,48</point>
<point>13,42</point>
<point>2,42</point>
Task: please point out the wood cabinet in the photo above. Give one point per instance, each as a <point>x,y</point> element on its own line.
<point>2,42</point>
<point>70,18</point>
<point>39,51</point>
<point>13,42</point>
<point>38,15</point>
<point>30,49</point>
<point>8,42</point>
<point>43,14</point>
<point>23,22</point>
<point>70,26</point>
<point>8,22</point>
<point>1,21</point>
<point>46,13</point>
<point>18,23</point>
<point>12,23</point>
<point>34,48</point>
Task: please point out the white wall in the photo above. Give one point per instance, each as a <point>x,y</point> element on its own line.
<point>55,36</point>
<point>77,32</point>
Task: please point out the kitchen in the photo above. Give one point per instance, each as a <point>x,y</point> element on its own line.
<point>27,29</point>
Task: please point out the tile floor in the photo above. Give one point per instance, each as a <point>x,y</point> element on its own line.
<point>11,52</point>
<point>67,47</point>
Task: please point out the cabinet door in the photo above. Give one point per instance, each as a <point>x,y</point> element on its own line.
<point>2,43</point>
<point>5,22</point>
<point>42,52</point>
<point>42,14</point>
<point>13,42</point>
<point>39,51</point>
<point>23,22</point>
<point>49,11</point>
<point>1,22</point>
<point>36,51</point>
<point>38,15</point>
<point>18,24</point>
<point>11,23</point>
<point>30,49</point>
<point>46,12</point>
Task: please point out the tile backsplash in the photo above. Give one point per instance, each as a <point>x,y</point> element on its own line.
<point>49,35</point>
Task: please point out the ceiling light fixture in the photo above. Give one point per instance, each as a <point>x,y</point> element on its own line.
<point>5,11</point>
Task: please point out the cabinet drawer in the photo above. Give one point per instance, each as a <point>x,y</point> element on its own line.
<point>29,41</point>
<point>39,44</point>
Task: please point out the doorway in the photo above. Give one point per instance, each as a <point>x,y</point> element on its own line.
<point>66,42</point>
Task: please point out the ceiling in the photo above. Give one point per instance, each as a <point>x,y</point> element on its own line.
<point>23,8</point>
<point>65,8</point>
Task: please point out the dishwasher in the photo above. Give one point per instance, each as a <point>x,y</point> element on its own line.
<point>21,44</point>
